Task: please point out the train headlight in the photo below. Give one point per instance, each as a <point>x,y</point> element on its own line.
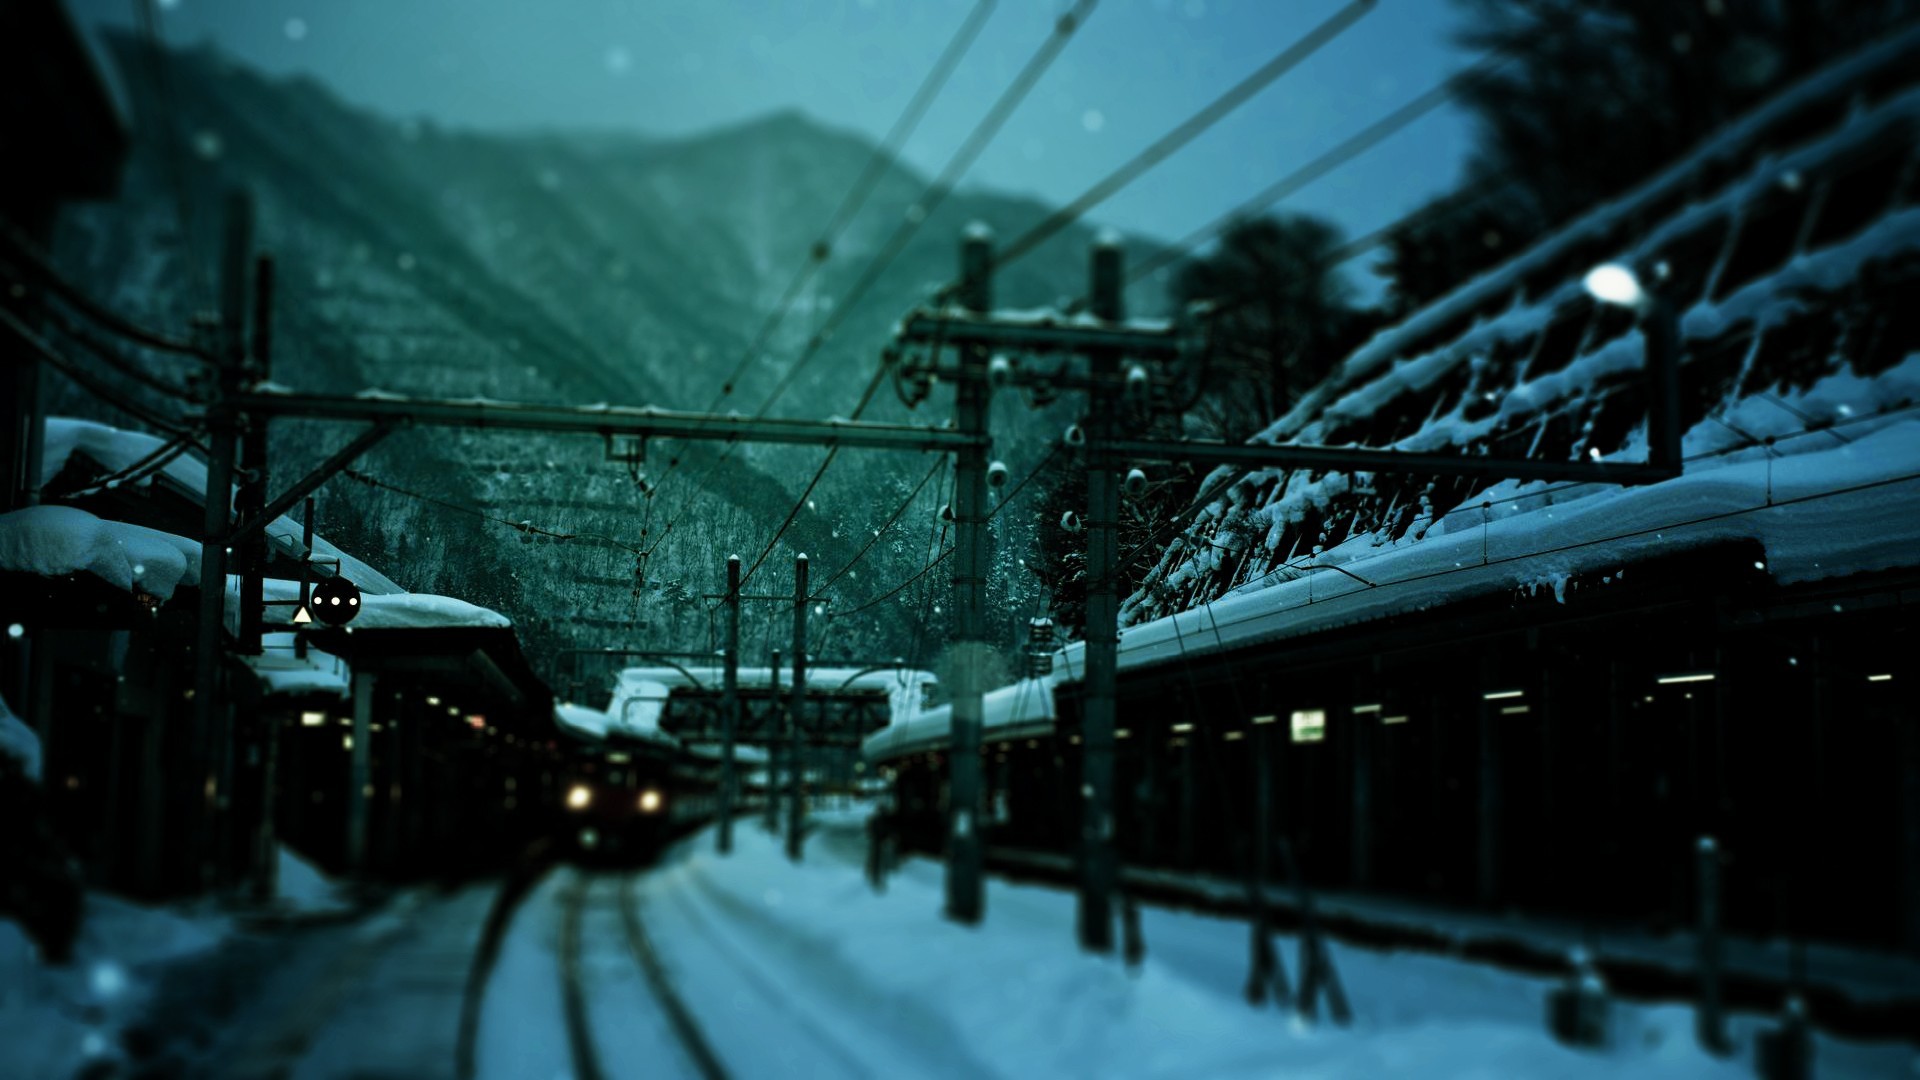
<point>650,801</point>
<point>579,797</point>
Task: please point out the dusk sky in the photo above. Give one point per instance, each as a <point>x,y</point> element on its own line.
<point>1136,69</point>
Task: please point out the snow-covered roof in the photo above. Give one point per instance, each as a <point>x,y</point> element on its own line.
<point>396,611</point>
<point>1011,712</point>
<point>116,450</point>
<point>54,541</point>
<point>1836,509</point>
<point>282,672</point>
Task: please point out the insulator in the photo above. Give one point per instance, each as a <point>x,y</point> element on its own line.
<point>999,371</point>
<point>1070,521</point>
<point>997,473</point>
<point>1076,435</point>
<point>1135,485</point>
<point>1136,386</point>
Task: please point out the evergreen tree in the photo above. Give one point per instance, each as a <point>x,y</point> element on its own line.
<point>1282,319</point>
<point>1593,96</point>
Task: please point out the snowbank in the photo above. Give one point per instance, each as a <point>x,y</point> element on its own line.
<point>303,890</point>
<point>54,541</point>
<point>856,982</point>
<point>59,1021</point>
<point>19,742</point>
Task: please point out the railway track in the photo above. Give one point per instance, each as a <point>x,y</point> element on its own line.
<point>691,1050</point>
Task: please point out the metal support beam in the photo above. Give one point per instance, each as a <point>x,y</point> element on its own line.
<point>257,521</point>
<point>729,707</point>
<point>795,767</point>
<point>1099,867</point>
<point>1040,333</point>
<point>601,420</point>
<point>966,854</point>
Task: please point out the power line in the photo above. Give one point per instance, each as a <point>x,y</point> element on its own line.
<point>526,527</point>
<point>856,197</point>
<point>1352,147</point>
<point>32,265</point>
<point>897,589</point>
<point>88,381</point>
<point>1187,131</point>
<point>826,463</point>
<point>882,530</point>
<point>106,354</point>
<point>937,192</point>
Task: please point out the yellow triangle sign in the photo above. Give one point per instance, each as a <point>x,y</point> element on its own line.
<point>301,616</point>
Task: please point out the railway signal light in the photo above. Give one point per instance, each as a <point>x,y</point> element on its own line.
<point>335,602</point>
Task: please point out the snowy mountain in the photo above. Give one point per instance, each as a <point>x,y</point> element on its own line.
<point>557,267</point>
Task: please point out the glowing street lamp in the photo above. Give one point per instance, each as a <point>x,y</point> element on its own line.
<point>1612,283</point>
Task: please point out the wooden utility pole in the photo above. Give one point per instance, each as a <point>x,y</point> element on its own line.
<point>1099,863</point>
<point>795,767</point>
<point>729,706</point>
<point>359,770</point>
<point>212,740</point>
<point>253,500</point>
<point>771,812</point>
<point>966,854</point>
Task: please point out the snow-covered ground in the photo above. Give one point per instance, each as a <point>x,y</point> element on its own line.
<point>56,1020</point>
<point>804,971</point>
<point>793,971</point>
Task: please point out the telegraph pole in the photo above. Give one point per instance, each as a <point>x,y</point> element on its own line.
<point>729,705</point>
<point>253,500</point>
<point>796,710</point>
<point>771,812</point>
<point>965,852</point>
<point>1098,867</point>
<point>212,742</point>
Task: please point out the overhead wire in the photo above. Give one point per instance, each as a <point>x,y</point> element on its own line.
<point>1188,130</point>
<point>88,381</point>
<point>526,527</point>
<point>107,355</point>
<point>1348,149</point>
<point>1162,148</point>
<point>30,265</point>
<point>885,153</point>
<point>935,192</point>
<point>882,530</point>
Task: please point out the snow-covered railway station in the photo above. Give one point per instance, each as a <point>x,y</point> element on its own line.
<point>725,541</point>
